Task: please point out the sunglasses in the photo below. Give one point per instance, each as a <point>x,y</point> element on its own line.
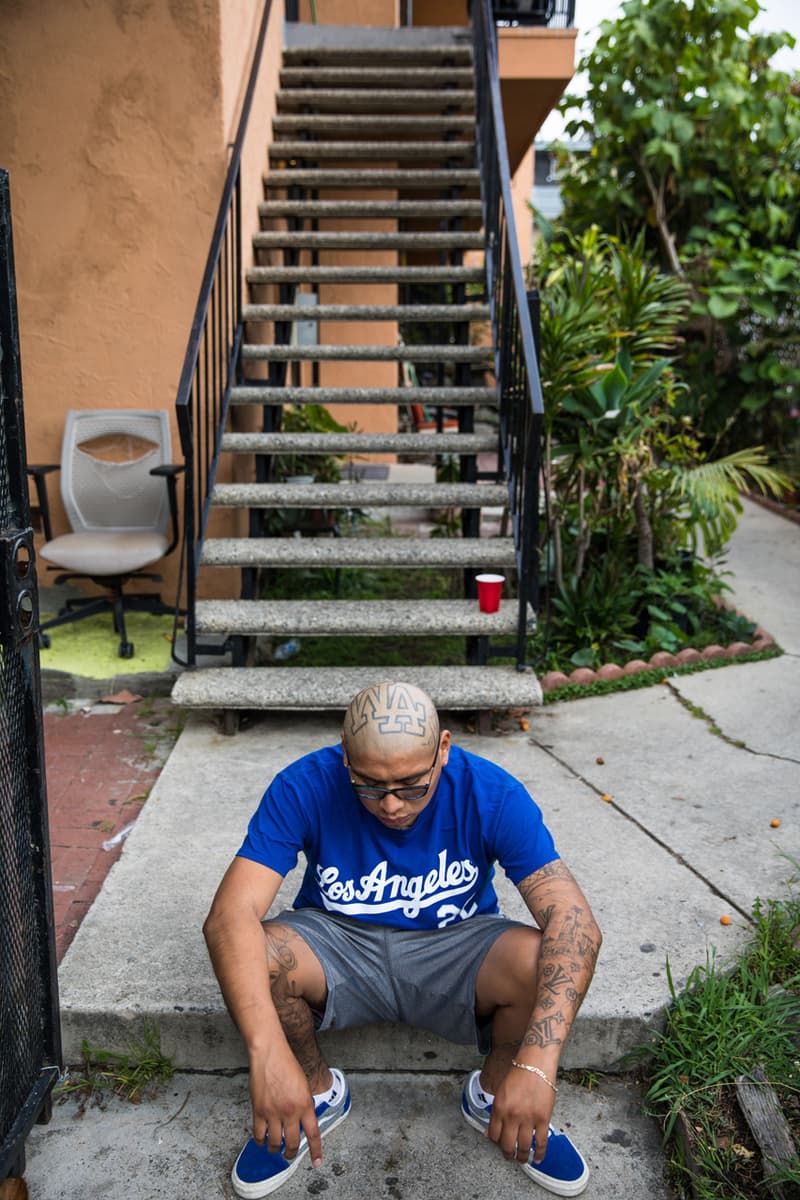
<point>412,792</point>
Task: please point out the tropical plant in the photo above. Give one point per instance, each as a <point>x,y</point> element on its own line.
<point>629,477</point>
<point>308,418</point>
<point>695,148</point>
<point>708,494</point>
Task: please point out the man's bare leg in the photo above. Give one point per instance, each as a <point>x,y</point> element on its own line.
<point>506,990</point>
<point>298,984</point>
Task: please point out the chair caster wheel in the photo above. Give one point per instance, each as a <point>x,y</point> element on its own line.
<point>44,641</point>
<point>126,649</point>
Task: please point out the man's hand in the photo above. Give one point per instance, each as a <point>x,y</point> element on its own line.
<point>282,1103</point>
<point>522,1108</point>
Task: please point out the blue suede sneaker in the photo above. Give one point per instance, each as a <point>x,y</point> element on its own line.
<point>256,1172</point>
<point>562,1170</point>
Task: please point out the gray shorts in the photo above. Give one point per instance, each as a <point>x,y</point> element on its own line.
<point>424,978</point>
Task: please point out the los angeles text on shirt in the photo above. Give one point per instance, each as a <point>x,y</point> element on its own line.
<point>381,892</point>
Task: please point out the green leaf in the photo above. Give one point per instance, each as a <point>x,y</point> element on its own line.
<point>583,658</point>
<point>661,121</point>
<point>683,127</point>
<point>644,31</point>
<point>780,268</point>
<point>673,153</point>
<point>657,612</point>
<point>722,212</point>
<point>614,385</point>
<point>764,307</point>
<point>721,307</point>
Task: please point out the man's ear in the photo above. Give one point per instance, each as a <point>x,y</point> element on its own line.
<point>444,745</point>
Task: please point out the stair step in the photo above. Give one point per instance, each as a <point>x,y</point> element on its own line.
<point>360,240</point>
<point>388,54</point>
<point>359,443</point>
<point>321,178</point>
<point>424,78</point>
<point>351,100</point>
<point>450,688</point>
<point>362,618</point>
<point>371,123</point>
<point>452,397</point>
<point>364,494</point>
<point>334,353</point>
<point>376,100</point>
<point>402,552</point>
<point>343,151</point>
<point>371,209</point>
<point>358,274</point>
<point>436,313</point>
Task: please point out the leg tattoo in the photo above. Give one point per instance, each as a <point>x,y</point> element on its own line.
<point>293,1011</point>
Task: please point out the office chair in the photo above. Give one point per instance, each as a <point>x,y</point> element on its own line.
<point>114,466</point>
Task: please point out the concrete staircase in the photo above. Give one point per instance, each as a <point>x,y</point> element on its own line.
<point>372,180</point>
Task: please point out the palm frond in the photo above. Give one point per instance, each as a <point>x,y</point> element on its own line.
<point>711,493</point>
<point>713,485</point>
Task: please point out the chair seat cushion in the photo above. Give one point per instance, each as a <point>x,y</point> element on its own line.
<point>105,553</point>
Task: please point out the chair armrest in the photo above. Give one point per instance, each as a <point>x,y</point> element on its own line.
<point>170,472</point>
<point>39,471</point>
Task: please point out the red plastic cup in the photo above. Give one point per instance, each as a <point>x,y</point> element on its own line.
<point>489,590</point>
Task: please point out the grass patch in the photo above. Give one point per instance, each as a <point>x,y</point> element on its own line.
<point>143,1067</point>
<point>721,1026</point>
<point>390,651</point>
<point>387,583</point>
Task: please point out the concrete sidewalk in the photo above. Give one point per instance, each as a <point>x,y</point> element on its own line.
<point>661,802</point>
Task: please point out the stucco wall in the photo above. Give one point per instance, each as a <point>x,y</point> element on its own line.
<point>521,188</point>
<point>111,133</point>
<point>350,12</point>
<point>116,116</point>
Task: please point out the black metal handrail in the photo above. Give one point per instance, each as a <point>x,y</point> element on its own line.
<point>211,364</point>
<point>521,403</point>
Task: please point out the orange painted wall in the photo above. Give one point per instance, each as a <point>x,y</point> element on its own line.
<point>115,124</point>
<point>351,12</point>
<point>536,65</point>
<point>113,144</point>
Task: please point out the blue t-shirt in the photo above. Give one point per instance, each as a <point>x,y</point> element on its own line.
<point>438,871</point>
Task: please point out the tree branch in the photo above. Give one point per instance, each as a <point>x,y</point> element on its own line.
<point>667,239</point>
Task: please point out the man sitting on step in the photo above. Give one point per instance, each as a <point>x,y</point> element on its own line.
<point>397,920</point>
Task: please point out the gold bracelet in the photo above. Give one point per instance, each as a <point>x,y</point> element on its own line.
<point>535,1071</point>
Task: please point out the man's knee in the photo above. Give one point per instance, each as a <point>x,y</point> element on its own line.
<point>508,972</point>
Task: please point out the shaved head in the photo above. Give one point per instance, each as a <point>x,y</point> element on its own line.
<point>390,719</point>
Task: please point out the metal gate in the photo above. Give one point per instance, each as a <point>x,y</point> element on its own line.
<point>30,1039</point>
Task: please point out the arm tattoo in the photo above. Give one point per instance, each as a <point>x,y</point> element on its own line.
<point>567,953</point>
<point>544,1032</point>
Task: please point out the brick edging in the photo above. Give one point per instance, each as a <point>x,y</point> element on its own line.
<point>661,660</point>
